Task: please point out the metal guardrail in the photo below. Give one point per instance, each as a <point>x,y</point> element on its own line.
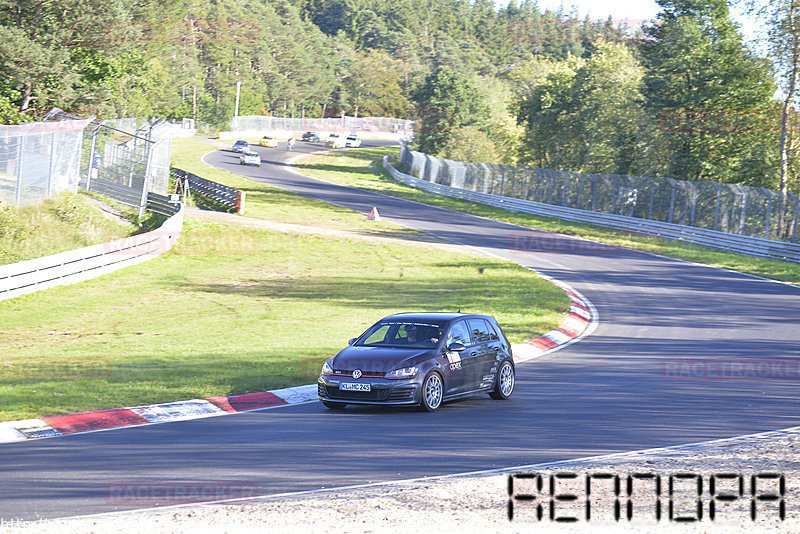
<point>752,246</point>
<point>84,263</point>
<point>162,205</point>
<point>227,197</point>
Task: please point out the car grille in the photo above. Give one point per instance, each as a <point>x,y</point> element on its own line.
<point>364,374</point>
<point>375,395</point>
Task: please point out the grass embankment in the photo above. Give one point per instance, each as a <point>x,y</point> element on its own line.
<point>234,308</point>
<point>348,168</point>
<point>61,223</point>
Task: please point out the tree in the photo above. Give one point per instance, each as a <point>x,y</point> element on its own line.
<point>446,101</point>
<point>468,143</point>
<point>38,37</point>
<point>710,92</point>
<point>783,20</point>
<point>619,137</point>
<point>553,137</point>
<point>372,84</point>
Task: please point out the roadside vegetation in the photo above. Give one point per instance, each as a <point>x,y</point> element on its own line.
<point>61,223</point>
<point>238,307</point>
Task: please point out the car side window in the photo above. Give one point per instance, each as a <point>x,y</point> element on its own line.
<point>458,334</point>
<point>480,330</point>
<point>492,332</point>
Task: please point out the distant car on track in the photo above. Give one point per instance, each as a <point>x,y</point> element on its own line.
<point>352,141</point>
<point>310,137</point>
<point>268,141</point>
<point>420,359</point>
<point>240,146</point>
<point>249,157</point>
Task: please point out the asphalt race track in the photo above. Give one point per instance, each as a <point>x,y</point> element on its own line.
<point>620,389</point>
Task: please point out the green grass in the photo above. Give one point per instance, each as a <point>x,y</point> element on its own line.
<point>362,168</point>
<point>65,222</point>
<point>235,308</point>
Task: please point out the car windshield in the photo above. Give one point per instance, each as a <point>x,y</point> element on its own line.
<point>402,334</point>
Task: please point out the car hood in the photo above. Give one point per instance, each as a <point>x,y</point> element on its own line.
<point>378,359</point>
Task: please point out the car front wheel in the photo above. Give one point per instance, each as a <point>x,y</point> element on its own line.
<point>432,390</point>
<point>504,384</point>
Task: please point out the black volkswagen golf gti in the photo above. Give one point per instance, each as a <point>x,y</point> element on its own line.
<point>420,359</point>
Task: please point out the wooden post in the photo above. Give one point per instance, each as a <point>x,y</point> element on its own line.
<point>240,203</point>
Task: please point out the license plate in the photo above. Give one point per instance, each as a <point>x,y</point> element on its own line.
<point>353,386</point>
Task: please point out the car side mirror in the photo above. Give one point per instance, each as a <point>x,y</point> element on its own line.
<point>456,347</point>
<point>352,341</point>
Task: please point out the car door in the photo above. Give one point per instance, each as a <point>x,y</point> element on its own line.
<point>455,369</point>
<point>485,349</point>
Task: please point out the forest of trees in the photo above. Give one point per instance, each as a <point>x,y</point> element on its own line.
<point>682,96</point>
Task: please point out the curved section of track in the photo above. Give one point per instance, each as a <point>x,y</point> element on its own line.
<point>621,389</point>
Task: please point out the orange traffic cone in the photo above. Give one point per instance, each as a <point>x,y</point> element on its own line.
<point>374,215</point>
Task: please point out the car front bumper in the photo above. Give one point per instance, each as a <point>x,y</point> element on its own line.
<point>382,391</point>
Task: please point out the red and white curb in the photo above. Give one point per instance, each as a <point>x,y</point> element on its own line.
<point>579,323</point>
<point>60,425</point>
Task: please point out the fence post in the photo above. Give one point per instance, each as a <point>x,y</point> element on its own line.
<point>671,200</point>
<point>769,212</point>
<point>52,164</point>
<point>240,203</point>
<point>742,216</point>
<point>18,190</point>
<point>91,156</point>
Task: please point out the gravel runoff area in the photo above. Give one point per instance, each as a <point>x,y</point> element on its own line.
<point>479,502</point>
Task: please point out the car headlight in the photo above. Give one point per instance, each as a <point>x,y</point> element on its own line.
<point>327,370</point>
<point>400,374</point>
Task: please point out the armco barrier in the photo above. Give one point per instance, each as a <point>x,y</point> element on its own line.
<point>752,246</point>
<point>84,263</point>
<point>227,197</point>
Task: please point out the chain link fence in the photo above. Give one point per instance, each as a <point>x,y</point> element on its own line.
<point>730,208</point>
<point>39,160</point>
<point>124,158</point>
<point>362,125</point>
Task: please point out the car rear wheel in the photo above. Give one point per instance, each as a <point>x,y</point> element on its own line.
<point>504,384</point>
<point>432,390</point>
<point>334,405</point>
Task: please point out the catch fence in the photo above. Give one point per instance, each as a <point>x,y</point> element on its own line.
<point>728,208</point>
<point>125,158</point>
<point>378,126</point>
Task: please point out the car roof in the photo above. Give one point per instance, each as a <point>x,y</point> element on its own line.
<point>432,316</point>
<point>240,141</point>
